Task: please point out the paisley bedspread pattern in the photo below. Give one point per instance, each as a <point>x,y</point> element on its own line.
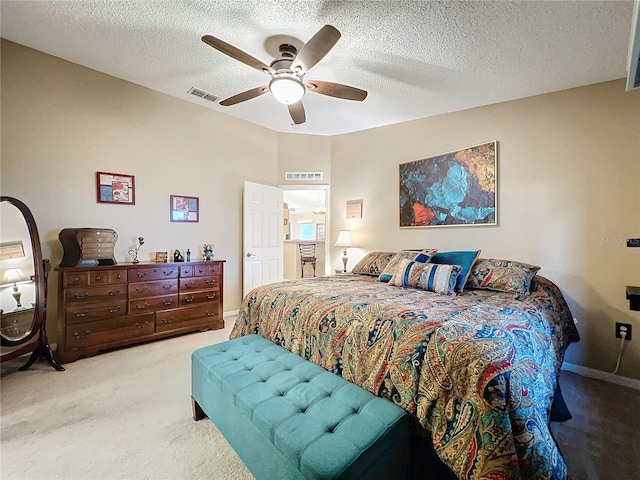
<point>478,370</point>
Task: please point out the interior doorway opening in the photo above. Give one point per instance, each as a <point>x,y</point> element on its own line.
<point>305,222</point>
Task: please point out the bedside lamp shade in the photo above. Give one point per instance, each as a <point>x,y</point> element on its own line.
<point>345,241</point>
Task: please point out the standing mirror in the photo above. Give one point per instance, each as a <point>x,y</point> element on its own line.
<point>23,286</point>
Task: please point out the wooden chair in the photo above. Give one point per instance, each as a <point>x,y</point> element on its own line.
<point>307,255</point>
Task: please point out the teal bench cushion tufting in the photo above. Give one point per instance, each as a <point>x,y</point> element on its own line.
<point>290,418</point>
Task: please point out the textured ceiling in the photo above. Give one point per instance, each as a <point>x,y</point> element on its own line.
<point>415,58</point>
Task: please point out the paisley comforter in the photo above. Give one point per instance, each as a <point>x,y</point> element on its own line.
<point>478,370</point>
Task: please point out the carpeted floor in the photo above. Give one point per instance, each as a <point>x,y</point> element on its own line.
<point>127,415</point>
<point>121,415</point>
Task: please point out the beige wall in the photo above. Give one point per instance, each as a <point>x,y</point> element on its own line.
<point>569,193</point>
<point>569,176</point>
<point>62,122</point>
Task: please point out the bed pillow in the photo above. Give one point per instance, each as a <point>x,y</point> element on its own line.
<point>422,256</point>
<point>465,259</point>
<point>427,276</point>
<point>502,275</point>
<point>373,263</point>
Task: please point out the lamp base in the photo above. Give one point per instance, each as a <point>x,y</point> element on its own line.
<point>345,259</point>
<point>16,294</point>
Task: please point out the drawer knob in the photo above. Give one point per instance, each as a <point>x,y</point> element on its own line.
<point>211,314</point>
<point>167,320</point>
<point>114,310</point>
<point>211,297</point>
<point>81,335</point>
<point>141,306</point>
<point>98,277</point>
<point>113,294</point>
<point>141,275</point>
<point>167,302</point>
<point>140,290</point>
<point>189,300</point>
<point>167,272</point>
<point>80,296</point>
<point>167,287</point>
<point>76,279</point>
<point>211,282</point>
<point>81,314</point>
<point>189,285</point>
<point>143,325</point>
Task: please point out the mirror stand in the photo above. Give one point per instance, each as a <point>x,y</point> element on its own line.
<point>25,327</point>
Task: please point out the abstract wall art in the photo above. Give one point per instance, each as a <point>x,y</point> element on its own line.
<point>452,189</point>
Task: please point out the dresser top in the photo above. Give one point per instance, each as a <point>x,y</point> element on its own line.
<point>137,265</point>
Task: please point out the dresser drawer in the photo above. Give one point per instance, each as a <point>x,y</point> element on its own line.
<point>186,271</point>
<point>198,283</point>
<point>76,279</point>
<point>207,270</point>
<point>152,289</point>
<point>185,317</point>
<point>105,331</point>
<point>152,273</point>
<point>107,277</point>
<point>108,293</point>
<point>83,313</point>
<point>191,298</point>
<point>143,305</point>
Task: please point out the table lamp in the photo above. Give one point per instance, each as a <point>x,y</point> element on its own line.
<point>344,240</point>
<point>13,276</point>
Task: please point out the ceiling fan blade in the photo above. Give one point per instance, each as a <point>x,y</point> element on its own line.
<point>297,113</point>
<point>236,53</point>
<point>316,48</point>
<point>244,96</point>
<point>337,90</point>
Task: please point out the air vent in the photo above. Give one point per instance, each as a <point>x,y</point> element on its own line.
<point>202,94</point>
<point>303,175</point>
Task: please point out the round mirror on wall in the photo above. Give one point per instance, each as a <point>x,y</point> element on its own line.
<point>23,286</point>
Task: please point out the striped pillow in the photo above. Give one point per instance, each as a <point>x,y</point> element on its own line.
<point>427,276</point>
<point>422,256</point>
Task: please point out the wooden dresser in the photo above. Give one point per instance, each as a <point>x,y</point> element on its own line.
<point>103,307</point>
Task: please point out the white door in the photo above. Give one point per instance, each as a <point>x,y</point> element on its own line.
<point>262,236</point>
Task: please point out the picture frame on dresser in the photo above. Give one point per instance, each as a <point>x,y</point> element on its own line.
<point>118,188</point>
<point>184,209</point>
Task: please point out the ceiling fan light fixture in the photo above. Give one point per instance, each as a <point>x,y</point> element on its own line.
<point>287,89</point>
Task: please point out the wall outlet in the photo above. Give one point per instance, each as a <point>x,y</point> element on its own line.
<point>626,327</point>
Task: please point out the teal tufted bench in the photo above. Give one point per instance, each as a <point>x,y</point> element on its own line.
<point>288,418</point>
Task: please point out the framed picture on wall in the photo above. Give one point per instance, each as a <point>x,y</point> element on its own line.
<point>116,188</point>
<point>184,209</point>
<point>452,189</point>
<point>320,231</point>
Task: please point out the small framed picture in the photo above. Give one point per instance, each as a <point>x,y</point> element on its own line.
<point>184,209</point>
<point>116,188</point>
<point>320,231</point>
<point>161,257</point>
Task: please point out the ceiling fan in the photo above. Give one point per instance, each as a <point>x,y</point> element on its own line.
<point>288,84</point>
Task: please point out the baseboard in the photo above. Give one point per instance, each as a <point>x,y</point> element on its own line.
<point>232,313</point>
<point>600,375</point>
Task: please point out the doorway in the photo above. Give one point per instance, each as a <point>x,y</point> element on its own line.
<point>305,221</point>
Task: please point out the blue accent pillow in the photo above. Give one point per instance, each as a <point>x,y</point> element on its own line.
<point>465,259</point>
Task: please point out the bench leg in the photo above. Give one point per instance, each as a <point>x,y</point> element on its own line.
<point>198,413</point>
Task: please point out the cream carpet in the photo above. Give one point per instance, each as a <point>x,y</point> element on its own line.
<point>120,415</point>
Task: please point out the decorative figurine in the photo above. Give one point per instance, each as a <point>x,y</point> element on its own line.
<point>177,256</point>
<point>208,251</point>
<point>188,255</point>
<point>134,251</point>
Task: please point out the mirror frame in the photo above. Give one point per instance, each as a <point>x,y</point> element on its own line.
<point>40,348</point>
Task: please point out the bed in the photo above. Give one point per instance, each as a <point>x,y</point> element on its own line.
<point>478,370</point>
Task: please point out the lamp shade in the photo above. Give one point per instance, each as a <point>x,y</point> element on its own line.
<point>287,89</point>
<point>344,239</point>
<point>13,276</point>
